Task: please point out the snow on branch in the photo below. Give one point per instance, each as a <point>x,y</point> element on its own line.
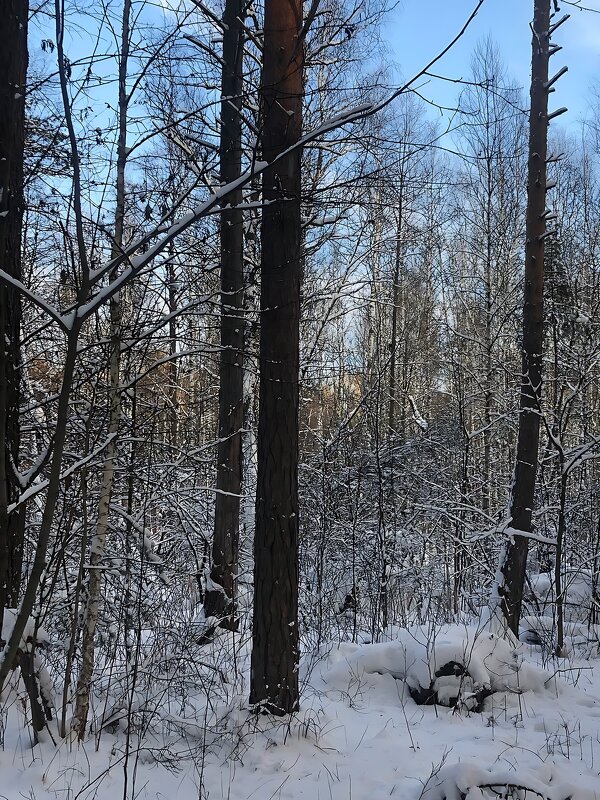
<point>580,454</point>
<point>146,541</point>
<point>536,537</point>
<point>34,490</point>
<point>39,301</point>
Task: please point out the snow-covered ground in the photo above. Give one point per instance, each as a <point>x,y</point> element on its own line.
<point>359,735</point>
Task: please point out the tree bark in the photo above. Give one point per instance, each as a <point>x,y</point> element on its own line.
<point>220,595</point>
<point>513,563</point>
<point>13,72</point>
<point>274,667</point>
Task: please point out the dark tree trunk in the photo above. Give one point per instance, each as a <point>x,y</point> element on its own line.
<point>522,498</point>
<point>220,595</point>
<point>274,672</point>
<point>39,712</point>
<point>13,70</point>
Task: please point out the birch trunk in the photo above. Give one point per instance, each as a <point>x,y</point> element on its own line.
<point>98,542</point>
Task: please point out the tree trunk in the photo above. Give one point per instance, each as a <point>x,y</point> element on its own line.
<point>220,595</point>
<point>13,71</point>
<point>396,296</point>
<point>560,539</point>
<point>514,559</point>
<point>98,542</point>
<point>274,669</point>
<point>172,421</point>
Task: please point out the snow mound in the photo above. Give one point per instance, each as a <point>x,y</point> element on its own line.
<point>542,630</point>
<point>472,782</point>
<point>579,595</point>
<point>451,665</point>
<point>8,623</point>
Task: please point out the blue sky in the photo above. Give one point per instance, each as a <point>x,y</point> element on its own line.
<point>419,29</point>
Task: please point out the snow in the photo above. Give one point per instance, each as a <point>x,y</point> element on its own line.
<point>418,653</point>
<point>464,781</point>
<point>359,733</point>
<point>421,422</point>
<point>582,634</point>
<point>8,623</point>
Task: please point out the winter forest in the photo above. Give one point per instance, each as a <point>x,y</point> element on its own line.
<point>299,407</point>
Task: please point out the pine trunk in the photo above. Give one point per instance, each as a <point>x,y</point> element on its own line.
<point>274,670</point>
<point>514,561</point>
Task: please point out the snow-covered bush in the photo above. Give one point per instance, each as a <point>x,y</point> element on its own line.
<point>580,610</point>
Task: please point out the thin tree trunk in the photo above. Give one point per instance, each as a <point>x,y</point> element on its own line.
<point>53,491</point>
<point>560,538</point>
<point>514,558</point>
<point>488,393</point>
<point>98,542</point>
<point>395,309</point>
<point>74,622</point>
<point>173,410</point>
<point>220,595</point>
<point>13,72</point>
<point>274,668</point>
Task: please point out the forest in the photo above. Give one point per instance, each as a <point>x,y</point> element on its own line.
<point>299,407</point>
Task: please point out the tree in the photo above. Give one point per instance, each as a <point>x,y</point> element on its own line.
<point>102,301</point>
<point>98,544</point>
<point>13,69</point>
<point>13,73</point>
<point>220,595</point>
<point>513,558</point>
<point>274,667</point>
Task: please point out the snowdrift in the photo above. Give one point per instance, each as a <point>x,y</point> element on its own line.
<point>455,666</point>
